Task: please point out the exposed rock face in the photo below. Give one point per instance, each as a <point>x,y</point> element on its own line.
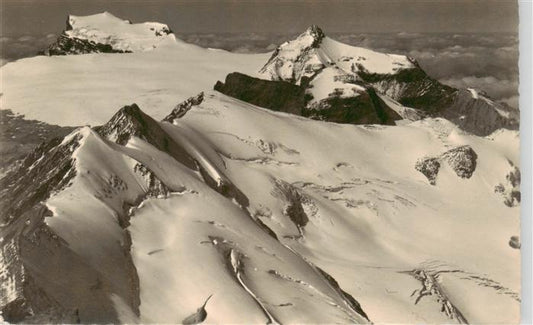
<point>365,108</point>
<point>479,114</point>
<point>431,287</point>
<point>462,160</point>
<point>40,263</point>
<point>474,113</point>
<point>19,136</point>
<point>354,304</point>
<point>312,58</point>
<point>181,109</point>
<point>275,95</point>
<point>411,87</point>
<point>66,45</point>
<point>130,122</point>
<point>429,167</point>
<point>49,168</point>
<point>156,188</point>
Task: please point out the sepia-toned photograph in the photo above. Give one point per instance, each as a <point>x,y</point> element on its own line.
<point>261,162</point>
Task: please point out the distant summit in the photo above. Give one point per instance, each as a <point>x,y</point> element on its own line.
<point>349,84</point>
<point>105,33</point>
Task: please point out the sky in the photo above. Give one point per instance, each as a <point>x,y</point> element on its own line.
<point>23,17</point>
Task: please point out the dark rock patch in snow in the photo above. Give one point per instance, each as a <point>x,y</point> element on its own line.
<point>199,316</point>
<point>294,206</point>
<point>156,188</point>
<point>462,160</point>
<point>66,45</point>
<point>349,299</point>
<point>511,190</point>
<point>182,108</point>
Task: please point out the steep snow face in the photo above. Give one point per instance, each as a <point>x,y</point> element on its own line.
<point>312,51</point>
<point>122,35</point>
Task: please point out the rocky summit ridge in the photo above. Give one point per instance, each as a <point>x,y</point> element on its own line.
<point>333,81</point>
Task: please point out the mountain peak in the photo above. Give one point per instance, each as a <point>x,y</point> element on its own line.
<point>127,122</point>
<point>104,32</point>
<point>130,121</point>
<point>317,34</point>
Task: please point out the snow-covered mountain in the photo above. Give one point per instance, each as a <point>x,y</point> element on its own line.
<point>338,83</point>
<point>215,209</point>
<point>108,34</point>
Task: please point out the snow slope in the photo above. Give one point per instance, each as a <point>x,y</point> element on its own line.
<point>87,89</point>
<point>280,218</point>
<point>359,189</point>
<point>346,199</point>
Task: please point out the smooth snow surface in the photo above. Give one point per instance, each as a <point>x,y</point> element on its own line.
<point>88,89</point>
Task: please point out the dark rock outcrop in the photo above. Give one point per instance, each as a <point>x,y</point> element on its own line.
<point>510,191</point>
<point>410,86</point>
<point>130,121</point>
<point>430,168</point>
<point>366,108</point>
<point>462,160</point>
<point>66,45</point>
<point>20,136</point>
<point>199,316</point>
<point>275,95</point>
<point>350,300</point>
<point>49,168</point>
<point>182,108</point>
